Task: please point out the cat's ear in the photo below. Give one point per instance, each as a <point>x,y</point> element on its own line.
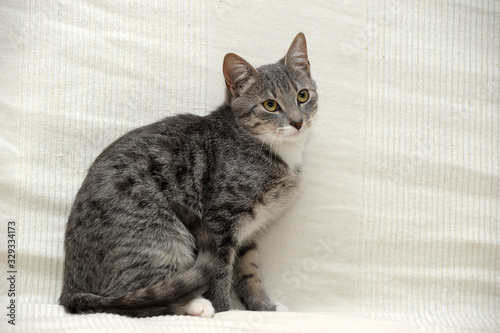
<point>237,72</point>
<point>296,56</point>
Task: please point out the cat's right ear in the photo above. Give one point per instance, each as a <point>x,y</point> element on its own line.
<point>238,73</point>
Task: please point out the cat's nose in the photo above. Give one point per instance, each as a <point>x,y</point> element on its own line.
<point>296,124</point>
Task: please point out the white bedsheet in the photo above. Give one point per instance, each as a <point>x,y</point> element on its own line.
<point>397,227</point>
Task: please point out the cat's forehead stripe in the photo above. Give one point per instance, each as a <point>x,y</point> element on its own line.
<point>273,91</point>
<point>281,81</point>
<point>291,81</point>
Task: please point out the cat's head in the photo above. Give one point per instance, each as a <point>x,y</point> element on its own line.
<point>276,101</point>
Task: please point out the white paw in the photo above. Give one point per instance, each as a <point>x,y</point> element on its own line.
<point>280,307</point>
<point>200,307</point>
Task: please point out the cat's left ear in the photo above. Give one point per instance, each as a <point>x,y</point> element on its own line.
<point>296,56</point>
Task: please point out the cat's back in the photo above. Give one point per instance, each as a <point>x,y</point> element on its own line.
<point>179,130</point>
<point>139,170</point>
<point>165,139</point>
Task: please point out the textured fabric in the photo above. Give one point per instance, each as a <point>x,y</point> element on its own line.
<point>226,322</point>
<point>430,210</point>
<point>399,214</point>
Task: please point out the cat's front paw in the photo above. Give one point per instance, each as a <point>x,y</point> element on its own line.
<point>279,307</point>
<point>220,304</point>
<point>260,306</point>
<point>200,307</point>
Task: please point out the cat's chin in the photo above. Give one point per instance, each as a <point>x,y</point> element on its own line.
<point>295,136</point>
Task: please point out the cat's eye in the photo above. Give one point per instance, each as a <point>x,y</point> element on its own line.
<point>270,105</point>
<point>303,96</point>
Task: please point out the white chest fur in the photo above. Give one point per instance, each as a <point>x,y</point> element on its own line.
<point>279,198</point>
<point>274,205</point>
<point>289,149</point>
<point>291,153</point>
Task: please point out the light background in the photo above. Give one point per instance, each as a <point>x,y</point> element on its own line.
<point>399,214</point>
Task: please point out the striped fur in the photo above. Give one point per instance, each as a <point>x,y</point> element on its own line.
<point>168,296</point>
<point>132,246</point>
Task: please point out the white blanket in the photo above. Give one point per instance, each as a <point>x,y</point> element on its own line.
<point>397,227</point>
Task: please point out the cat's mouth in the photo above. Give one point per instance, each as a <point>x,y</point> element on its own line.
<point>293,134</point>
<point>290,132</point>
<point>297,134</point>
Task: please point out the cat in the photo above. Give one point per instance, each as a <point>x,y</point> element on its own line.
<point>167,218</point>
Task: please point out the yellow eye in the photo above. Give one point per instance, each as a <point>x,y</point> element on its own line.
<point>303,96</point>
<point>270,105</point>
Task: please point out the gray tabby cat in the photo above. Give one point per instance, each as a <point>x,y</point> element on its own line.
<point>166,220</point>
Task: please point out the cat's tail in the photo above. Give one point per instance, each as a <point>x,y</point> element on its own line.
<point>169,296</point>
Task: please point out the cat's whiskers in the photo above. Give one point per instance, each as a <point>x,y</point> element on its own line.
<point>275,144</point>
<point>272,152</point>
<point>264,142</point>
<point>277,140</point>
<point>268,140</point>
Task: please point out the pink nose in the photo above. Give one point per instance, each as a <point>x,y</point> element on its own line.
<point>297,124</point>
